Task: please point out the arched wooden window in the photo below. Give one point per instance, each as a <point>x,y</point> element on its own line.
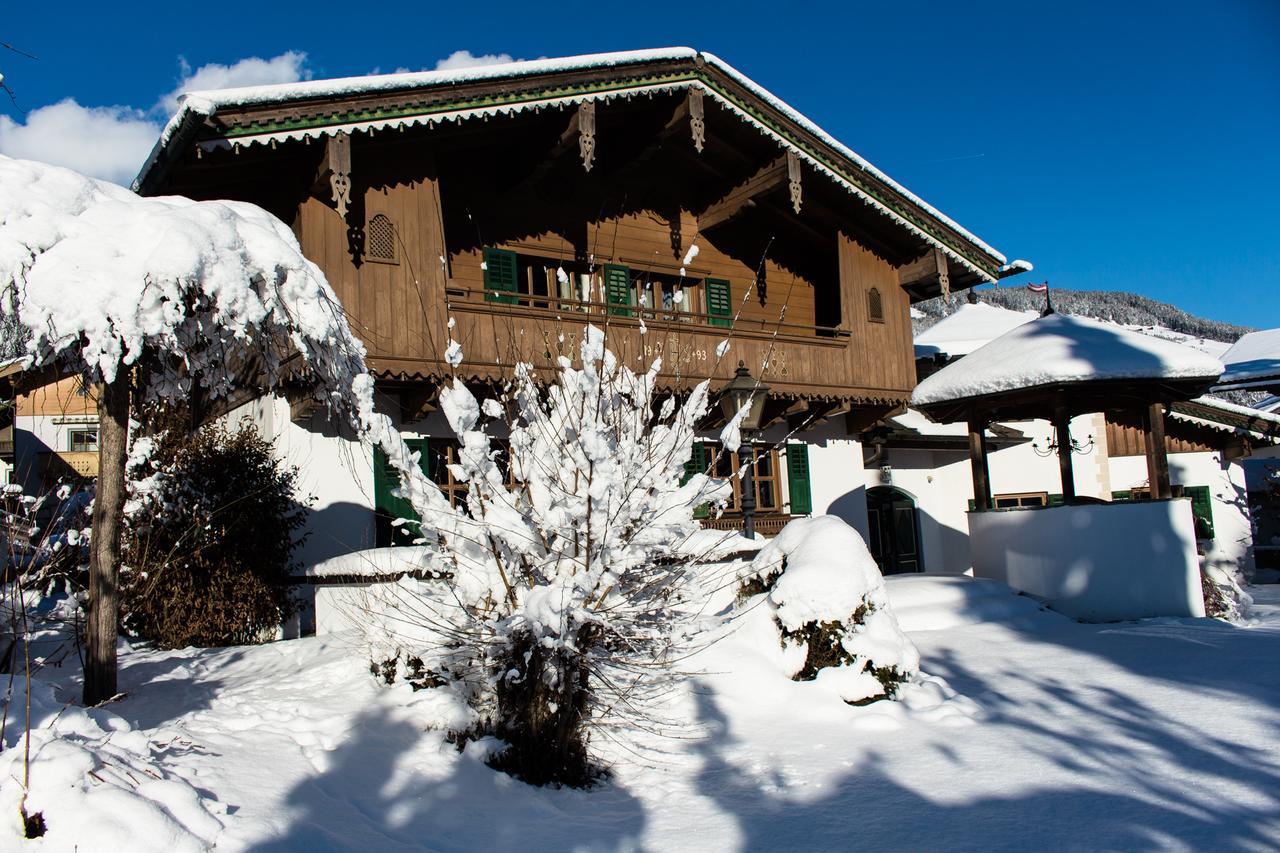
<point>380,240</point>
<point>875,307</point>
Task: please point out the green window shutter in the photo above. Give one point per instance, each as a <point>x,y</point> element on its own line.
<point>1055,500</point>
<point>617,289</point>
<point>500,276</point>
<point>972,504</point>
<point>1122,495</point>
<point>798,479</point>
<point>719,302</point>
<point>697,463</point>
<point>1202,508</point>
<point>386,505</point>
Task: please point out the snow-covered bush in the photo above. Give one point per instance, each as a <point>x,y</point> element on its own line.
<point>563,605</point>
<point>211,532</point>
<point>828,601</point>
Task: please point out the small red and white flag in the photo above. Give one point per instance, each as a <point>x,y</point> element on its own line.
<point>1038,288</point>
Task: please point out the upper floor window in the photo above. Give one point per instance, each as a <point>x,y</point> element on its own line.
<point>83,440</point>
<point>380,241</point>
<point>615,289</point>
<point>875,306</point>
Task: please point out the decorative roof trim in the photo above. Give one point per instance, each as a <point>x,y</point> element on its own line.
<point>511,103</point>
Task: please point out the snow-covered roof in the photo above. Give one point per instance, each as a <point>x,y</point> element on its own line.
<point>1229,417</point>
<point>970,327</point>
<point>1060,349</point>
<point>196,106</point>
<point>1253,360</point>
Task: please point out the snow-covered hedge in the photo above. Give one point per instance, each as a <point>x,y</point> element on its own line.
<point>829,601</point>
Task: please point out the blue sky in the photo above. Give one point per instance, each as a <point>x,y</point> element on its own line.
<point>1127,146</point>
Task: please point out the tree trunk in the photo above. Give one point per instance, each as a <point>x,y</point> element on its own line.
<point>104,558</point>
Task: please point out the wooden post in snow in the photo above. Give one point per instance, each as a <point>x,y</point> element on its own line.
<point>104,558</point>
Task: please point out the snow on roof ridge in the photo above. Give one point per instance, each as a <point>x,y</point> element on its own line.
<point>207,102</point>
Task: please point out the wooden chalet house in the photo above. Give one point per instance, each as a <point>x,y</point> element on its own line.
<point>660,194</point>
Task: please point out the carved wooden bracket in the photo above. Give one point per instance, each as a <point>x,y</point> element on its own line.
<point>793,178</point>
<point>697,122</point>
<point>944,272</point>
<point>338,154</point>
<point>587,133</point>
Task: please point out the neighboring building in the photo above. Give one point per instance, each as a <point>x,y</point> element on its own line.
<point>660,193</point>
<point>1212,444</point>
<point>55,436</point>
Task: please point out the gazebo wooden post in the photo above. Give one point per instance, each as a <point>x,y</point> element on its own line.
<point>978,462</point>
<point>1157,452</point>
<point>1062,423</point>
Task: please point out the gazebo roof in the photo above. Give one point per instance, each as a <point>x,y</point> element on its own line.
<point>1059,361</point>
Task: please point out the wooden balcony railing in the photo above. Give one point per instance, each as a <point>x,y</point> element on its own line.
<point>766,525</point>
<point>68,465</point>
<point>556,307</point>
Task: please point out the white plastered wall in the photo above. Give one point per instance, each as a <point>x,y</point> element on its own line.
<point>1232,546</point>
<point>334,468</point>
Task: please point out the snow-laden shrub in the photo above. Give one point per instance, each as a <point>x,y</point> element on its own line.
<point>212,525</point>
<point>562,605</point>
<point>828,601</point>
<point>1224,595</point>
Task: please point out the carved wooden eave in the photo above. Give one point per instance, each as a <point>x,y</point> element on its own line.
<point>206,125</point>
<point>825,401</point>
<point>765,180</point>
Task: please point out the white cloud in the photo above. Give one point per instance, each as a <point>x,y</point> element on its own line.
<point>466,59</point>
<point>112,142</point>
<point>105,142</point>
<point>288,67</point>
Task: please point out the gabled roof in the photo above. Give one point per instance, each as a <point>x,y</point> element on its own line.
<point>1253,362</point>
<point>970,327</point>
<point>312,109</point>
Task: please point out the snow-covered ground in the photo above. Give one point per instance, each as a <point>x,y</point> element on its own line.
<point>1154,734</point>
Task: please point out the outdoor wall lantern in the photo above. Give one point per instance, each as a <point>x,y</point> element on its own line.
<point>745,392</point>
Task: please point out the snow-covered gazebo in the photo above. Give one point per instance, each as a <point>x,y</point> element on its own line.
<point>1084,556</point>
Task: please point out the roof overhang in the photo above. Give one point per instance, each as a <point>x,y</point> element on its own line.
<point>275,114</point>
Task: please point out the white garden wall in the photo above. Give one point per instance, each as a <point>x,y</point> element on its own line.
<point>1231,548</point>
<point>1099,563</point>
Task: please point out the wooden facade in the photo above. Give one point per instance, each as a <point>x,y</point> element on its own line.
<point>698,212</point>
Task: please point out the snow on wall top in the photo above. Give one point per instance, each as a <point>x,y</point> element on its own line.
<point>207,103</point>
<point>1254,356</point>
<point>970,327</point>
<point>1059,349</point>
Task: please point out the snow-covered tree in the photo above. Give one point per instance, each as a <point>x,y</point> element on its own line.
<point>162,299</point>
<point>567,581</point>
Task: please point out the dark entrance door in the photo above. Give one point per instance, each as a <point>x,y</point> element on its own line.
<point>894,531</point>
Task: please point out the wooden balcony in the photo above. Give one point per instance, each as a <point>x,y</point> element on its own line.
<point>500,329</point>
<point>68,466</point>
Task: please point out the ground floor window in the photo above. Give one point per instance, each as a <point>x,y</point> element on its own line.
<point>1017,499</point>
